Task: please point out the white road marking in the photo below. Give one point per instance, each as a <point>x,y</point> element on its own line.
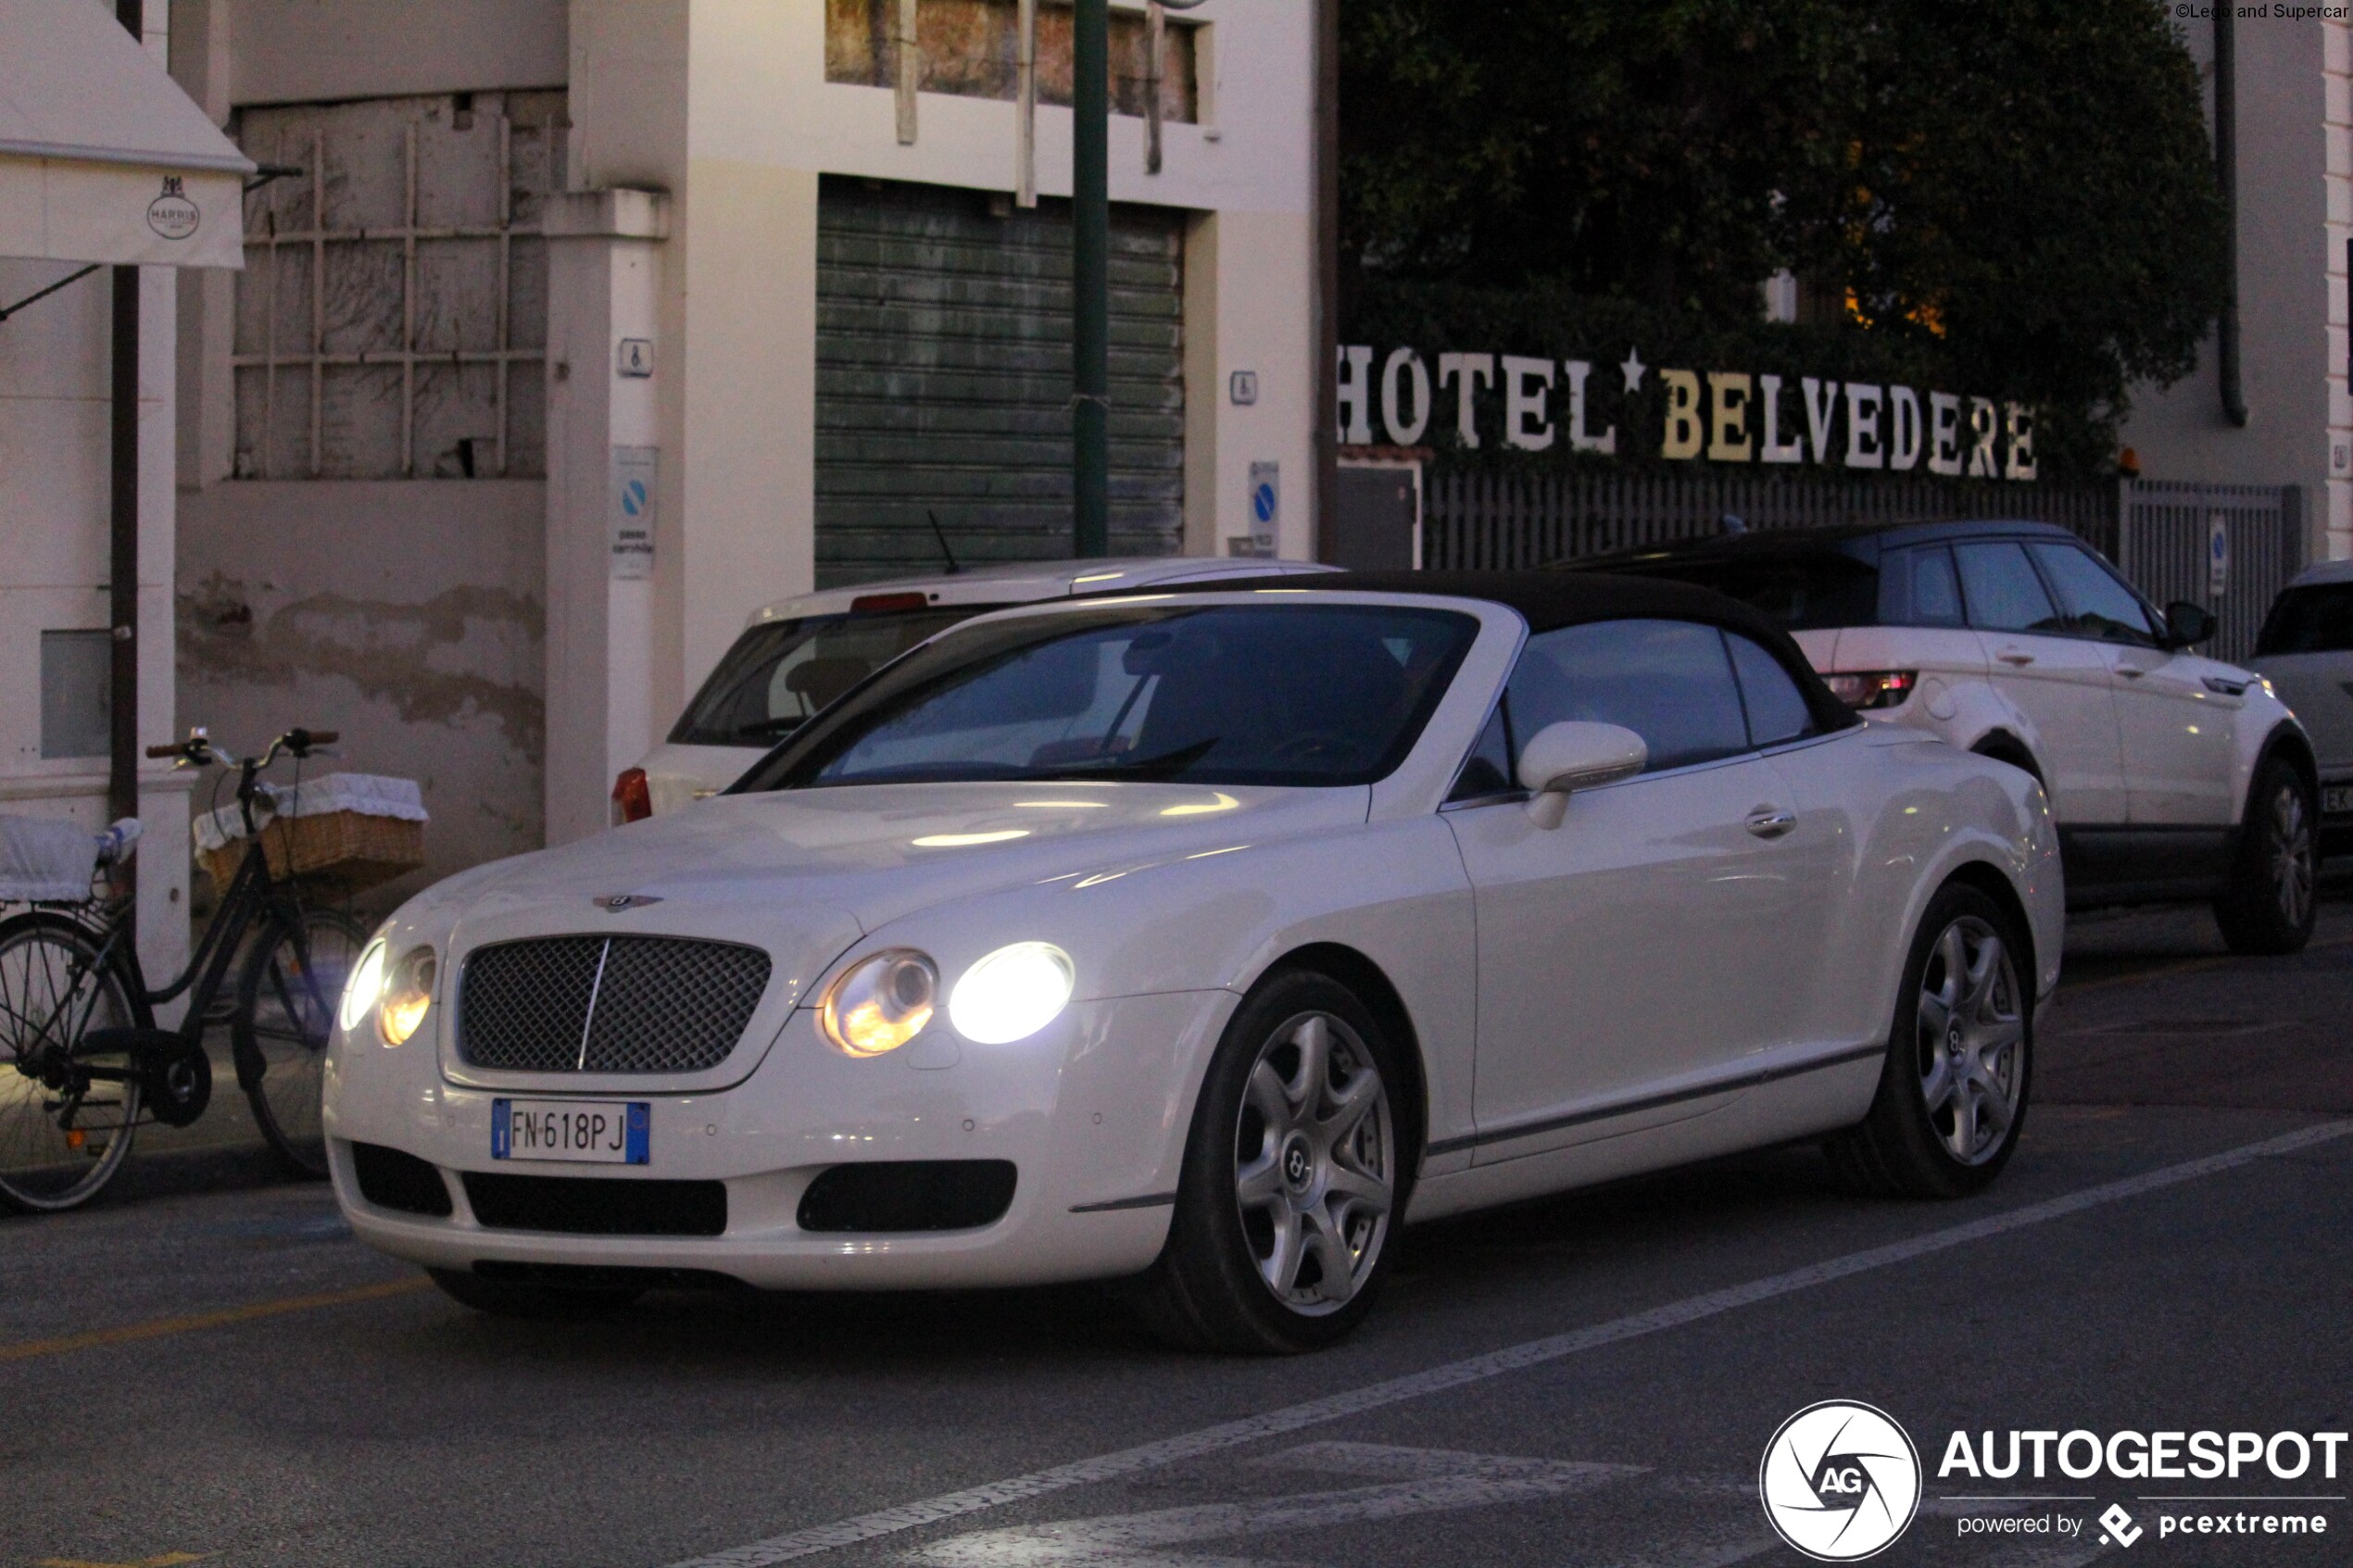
<point>1495,1363</point>
<point>1435,1480</point>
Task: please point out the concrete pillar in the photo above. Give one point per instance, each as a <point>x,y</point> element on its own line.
<point>606,367</point>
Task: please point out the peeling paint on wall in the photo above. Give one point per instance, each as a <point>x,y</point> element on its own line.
<point>410,617</point>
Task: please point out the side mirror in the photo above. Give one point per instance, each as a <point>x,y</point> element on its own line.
<point>1561,758</point>
<point>2187,623</point>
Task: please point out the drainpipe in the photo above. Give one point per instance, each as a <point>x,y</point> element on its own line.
<point>1325,283</point>
<point>1090,279</point>
<point>122,572</point>
<point>2226,168</point>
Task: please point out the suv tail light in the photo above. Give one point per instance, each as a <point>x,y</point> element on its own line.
<point>1873,688</point>
<point>633,798</point>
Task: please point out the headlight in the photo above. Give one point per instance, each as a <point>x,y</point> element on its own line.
<point>367,983</point>
<point>880,1003</point>
<point>1012,993</point>
<point>408,993</point>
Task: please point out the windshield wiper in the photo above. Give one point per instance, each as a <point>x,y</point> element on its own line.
<point>1166,765</point>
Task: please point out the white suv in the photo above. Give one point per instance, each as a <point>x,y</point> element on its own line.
<point>2171,775</point>
<point>798,655</point>
<point>2305,651</point>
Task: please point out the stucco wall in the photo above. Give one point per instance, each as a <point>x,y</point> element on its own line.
<point>408,615</point>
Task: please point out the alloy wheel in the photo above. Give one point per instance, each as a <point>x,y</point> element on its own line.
<point>1971,1040</point>
<point>1314,1163</point>
<point>2290,854</point>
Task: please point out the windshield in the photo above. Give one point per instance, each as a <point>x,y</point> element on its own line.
<point>777,675</point>
<point>1306,695</point>
<point>2313,620</point>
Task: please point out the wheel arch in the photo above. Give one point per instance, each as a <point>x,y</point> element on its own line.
<point>2003,746</point>
<point>1989,878</point>
<point>2288,742</point>
<point>1372,986</point>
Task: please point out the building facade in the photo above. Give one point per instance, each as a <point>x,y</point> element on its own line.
<point>2292,78</point>
<point>589,326</point>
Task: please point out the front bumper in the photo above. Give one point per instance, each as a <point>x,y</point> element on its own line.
<point>1092,1111</point>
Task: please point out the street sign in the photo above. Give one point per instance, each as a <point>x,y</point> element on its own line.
<point>2217,555</point>
<point>634,471</point>
<point>1266,505</point>
<point>637,357</point>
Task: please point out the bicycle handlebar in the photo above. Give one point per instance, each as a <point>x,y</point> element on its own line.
<point>198,749</point>
<point>162,751</point>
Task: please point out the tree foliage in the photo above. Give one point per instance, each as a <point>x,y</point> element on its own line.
<point>2025,186</point>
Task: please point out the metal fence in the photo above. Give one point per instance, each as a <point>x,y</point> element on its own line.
<point>1500,522</point>
<point>2158,532</point>
<point>2166,541</point>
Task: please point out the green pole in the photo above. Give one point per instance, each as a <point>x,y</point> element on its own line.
<point>1090,279</point>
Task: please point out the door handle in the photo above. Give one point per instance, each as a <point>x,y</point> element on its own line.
<point>1770,821</point>
<point>2130,671</point>
<point>2011,656</point>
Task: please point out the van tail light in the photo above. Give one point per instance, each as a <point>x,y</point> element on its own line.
<point>1875,688</point>
<point>633,798</point>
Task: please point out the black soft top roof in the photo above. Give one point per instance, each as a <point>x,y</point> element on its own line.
<point>1861,541</point>
<point>1549,600</point>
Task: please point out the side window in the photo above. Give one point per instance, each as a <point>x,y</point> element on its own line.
<point>1920,588</point>
<point>2097,605</point>
<point>2314,620</point>
<point>1776,710</point>
<point>1487,768</point>
<point>1669,681</point>
<point>2003,593</point>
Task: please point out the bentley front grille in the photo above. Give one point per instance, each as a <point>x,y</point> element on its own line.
<point>607,1004</point>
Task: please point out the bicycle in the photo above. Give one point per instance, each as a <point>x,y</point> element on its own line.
<point>82,1063</point>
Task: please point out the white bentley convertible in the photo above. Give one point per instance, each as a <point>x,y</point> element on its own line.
<point>1201,938</point>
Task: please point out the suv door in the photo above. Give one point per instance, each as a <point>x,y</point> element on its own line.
<point>1661,928</point>
<point>2177,731</point>
<point>2061,683</point>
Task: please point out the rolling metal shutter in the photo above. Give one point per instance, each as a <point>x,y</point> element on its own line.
<point>944,380</point>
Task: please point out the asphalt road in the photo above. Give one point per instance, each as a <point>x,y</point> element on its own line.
<point>206,1366</point>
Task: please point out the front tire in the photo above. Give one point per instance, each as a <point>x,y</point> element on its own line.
<point>1293,1180</point>
<point>1952,1097</point>
<point>2268,905</point>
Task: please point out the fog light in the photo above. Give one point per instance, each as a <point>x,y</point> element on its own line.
<point>408,993</point>
<point>1012,993</point>
<point>880,1003</point>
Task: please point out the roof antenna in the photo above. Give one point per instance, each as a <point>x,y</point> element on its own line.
<point>939,533</point>
<point>1733,523</point>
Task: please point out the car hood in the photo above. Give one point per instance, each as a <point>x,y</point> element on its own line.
<point>806,873</point>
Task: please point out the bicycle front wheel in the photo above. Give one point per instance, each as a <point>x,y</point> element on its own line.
<point>285,1010</point>
<point>66,1119</point>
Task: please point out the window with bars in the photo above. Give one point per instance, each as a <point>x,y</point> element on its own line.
<point>392,317</point>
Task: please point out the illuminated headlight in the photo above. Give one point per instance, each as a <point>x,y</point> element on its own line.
<point>366,985</point>
<point>408,993</point>
<point>880,1003</point>
<point>1012,993</point>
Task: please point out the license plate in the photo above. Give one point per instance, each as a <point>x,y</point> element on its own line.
<point>596,1132</point>
<point>2336,800</point>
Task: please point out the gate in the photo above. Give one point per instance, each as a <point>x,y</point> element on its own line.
<point>1497,521</point>
<point>2165,545</point>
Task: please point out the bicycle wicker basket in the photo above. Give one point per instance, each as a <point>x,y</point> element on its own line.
<point>347,829</point>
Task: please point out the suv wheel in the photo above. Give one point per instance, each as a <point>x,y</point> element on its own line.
<point>2268,906</point>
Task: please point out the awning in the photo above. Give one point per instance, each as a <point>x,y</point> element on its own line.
<point>102,157</point>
